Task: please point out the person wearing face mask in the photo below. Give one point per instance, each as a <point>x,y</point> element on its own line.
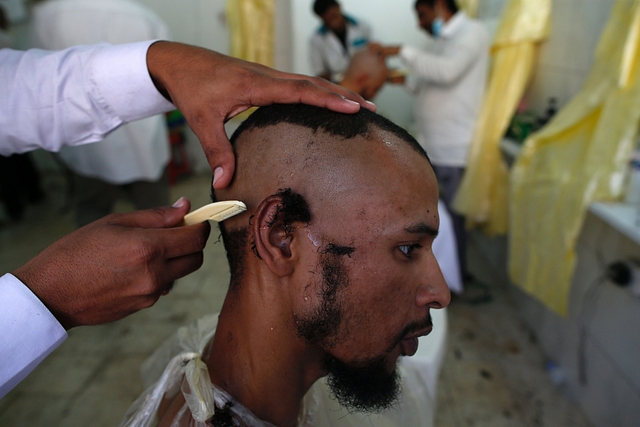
<point>449,84</point>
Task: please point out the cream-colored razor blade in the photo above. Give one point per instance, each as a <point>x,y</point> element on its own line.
<point>218,211</point>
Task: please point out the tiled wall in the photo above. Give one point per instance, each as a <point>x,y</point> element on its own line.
<point>566,57</point>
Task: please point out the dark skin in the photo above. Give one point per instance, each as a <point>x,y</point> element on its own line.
<point>115,266</point>
<point>393,275</point>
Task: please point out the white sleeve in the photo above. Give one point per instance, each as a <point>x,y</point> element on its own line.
<point>74,96</point>
<point>441,69</point>
<point>29,332</point>
<point>315,57</point>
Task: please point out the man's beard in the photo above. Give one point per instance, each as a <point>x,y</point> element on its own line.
<point>363,386</point>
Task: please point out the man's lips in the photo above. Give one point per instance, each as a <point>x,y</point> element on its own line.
<point>409,345</point>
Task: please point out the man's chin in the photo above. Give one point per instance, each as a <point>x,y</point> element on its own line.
<point>371,386</point>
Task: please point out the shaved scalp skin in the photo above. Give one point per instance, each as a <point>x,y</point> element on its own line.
<point>310,124</point>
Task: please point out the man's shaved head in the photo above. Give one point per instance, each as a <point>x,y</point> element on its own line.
<point>366,74</point>
<point>299,147</point>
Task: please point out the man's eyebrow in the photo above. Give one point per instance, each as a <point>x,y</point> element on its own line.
<point>421,228</point>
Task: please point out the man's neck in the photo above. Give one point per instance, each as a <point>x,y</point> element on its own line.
<point>256,357</point>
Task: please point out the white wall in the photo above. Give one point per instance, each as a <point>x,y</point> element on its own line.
<point>199,22</point>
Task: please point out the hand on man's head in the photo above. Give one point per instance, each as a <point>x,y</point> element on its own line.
<point>210,88</point>
<point>115,266</point>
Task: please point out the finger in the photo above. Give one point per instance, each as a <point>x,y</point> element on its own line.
<point>332,87</point>
<point>302,91</point>
<point>180,241</point>
<point>343,103</point>
<point>219,153</point>
<point>177,268</point>
<point>162,217</point>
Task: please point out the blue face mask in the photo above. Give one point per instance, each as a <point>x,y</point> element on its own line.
<point>436,26</point>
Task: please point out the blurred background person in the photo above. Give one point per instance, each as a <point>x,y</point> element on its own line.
<point>132,161</point>
<point>366,74</point>
<point>332,46</point>
<point>450,84</point>
<point>19,178</point>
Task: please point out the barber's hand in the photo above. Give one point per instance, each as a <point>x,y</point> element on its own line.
<point>398,77</point>
<point>116,265</point>
<point>210,88</point>
<point>376,48</point>
<point>384,50</point>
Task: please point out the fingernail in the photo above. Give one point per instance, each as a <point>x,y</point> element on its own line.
<point>217,173</point>
<point>179,203</point>
<point>371,106</point>
<point>351,102</point>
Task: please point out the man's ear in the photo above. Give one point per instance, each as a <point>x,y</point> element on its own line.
<point>271,238</point>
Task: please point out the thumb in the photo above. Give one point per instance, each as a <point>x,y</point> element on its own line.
<point>162,217</point>
<point>219,153</point>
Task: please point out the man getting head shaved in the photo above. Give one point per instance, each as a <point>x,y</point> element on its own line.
<point>332,273</point>
<point>366,74</point>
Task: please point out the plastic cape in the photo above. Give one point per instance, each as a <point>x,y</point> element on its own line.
<point>176,367</point>
<point>577,158</point>
<point>251,26</point>
<point>483,193</point>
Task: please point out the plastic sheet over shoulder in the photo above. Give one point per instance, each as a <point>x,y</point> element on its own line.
<point>177,367</point>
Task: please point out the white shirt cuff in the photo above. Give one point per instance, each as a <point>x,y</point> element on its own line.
<point>29,332</point>
<point>121,78</point>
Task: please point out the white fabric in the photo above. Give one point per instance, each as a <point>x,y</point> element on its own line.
<point>75,96</point>
<point>135,151</point>
<point>49,99</point>
<point>5,40</point>
<point>451,82</point>
<point>445,250</point>
<point>327,54</point>
<point>176,366</point>
<point>29,332</point>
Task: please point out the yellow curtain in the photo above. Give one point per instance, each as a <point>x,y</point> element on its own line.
<point>470,7</point>
<point>577,158</point>
<point>483,193</point>
<point>251,27</point>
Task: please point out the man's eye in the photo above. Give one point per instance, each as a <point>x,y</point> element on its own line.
<point>407,250</point>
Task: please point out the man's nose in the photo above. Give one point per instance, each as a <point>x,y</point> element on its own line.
<point>434,291</point>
